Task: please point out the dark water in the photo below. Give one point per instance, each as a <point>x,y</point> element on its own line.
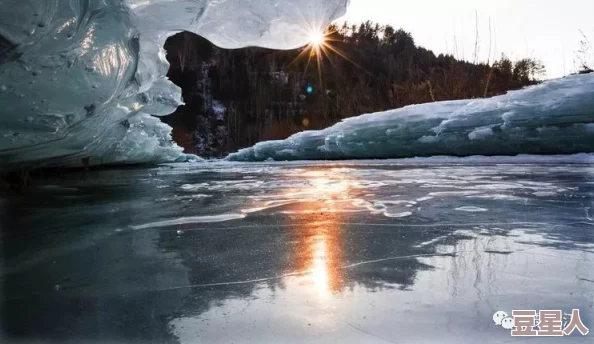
<point>367,252</point>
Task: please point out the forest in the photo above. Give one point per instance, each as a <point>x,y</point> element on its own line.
<point>236,98</point>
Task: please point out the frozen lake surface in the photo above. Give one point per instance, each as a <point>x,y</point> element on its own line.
<point>417,251</point>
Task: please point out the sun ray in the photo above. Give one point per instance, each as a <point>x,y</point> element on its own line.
<point>322,45</point>
<point>299,56</point>
<point>344,56</point>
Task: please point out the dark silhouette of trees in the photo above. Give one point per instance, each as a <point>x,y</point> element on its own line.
<point>584,55</point>
<point>236,98</point>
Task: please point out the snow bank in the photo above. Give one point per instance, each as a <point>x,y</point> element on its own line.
<point>79,79</point>
<point>555,117</point>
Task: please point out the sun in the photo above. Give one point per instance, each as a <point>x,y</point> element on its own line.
<point>317,38</point>
<point>320,46</point>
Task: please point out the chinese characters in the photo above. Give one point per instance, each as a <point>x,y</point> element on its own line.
<point>544,323</point>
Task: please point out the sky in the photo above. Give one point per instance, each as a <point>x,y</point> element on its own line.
<point>548,30</point>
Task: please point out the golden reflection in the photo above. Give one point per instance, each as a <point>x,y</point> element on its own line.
<point>66,25</point>
<point>317,227</point>
<point>319,268</point>
<point>88,41</point>
<point>109,60</point>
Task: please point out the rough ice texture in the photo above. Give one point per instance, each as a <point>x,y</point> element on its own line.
<point>555,117</point>
<point>80,79</point>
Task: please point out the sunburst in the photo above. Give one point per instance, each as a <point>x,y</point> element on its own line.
<point>320,46</point>
<point>317,38</point>
<point>320,41</point>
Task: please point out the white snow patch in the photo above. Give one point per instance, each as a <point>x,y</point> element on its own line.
<point>190,220</point>
<point>470,209</point>
<point>398,215</point>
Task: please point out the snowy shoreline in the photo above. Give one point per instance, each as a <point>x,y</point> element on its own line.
<point>580,158</point>
<point>554,117</point>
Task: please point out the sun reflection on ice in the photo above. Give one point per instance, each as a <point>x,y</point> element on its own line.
<point>321,258</point>
<point>319,269</point>
<point>318,218</point>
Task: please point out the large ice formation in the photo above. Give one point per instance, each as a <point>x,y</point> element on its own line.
<point>80,79</point>
<point>555,117</point>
